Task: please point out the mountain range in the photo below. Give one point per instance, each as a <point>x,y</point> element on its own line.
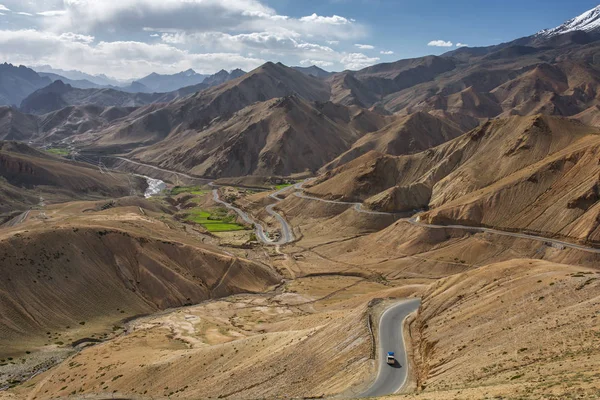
<point>231,124</point>
<point>301,209</point>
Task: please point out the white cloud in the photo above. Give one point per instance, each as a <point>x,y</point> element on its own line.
<point>196,16</point>
<point>318,63</point>
<point>386,52</point>
<point>461,45</point>
<point>333,20</point>
<point>365,46</point>
<point>266,42</point>
<point>122,59</point>
<point>206,35</point>
<point>3,8</point>
<point>24,13</point>
<point>356,61</point>
<point>52,13</point>
<point>75,37</point>
<point>440,43</point>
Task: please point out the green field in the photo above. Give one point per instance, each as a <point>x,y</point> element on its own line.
<point>57,151</point>
<point>283,186</point>
<point>195,190</point>
<point>217,221</point>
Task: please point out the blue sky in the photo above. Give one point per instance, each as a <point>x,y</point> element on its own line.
<point>128,39</point>
<point>406,26</point>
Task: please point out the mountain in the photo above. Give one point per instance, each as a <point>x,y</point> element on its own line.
<point>100,80</point>
<point>410,134</point>
<point>16,83</point>
<point>135,87</point>
<point>79,84</point>
<point>281,136</point>
<point>223,76</point>
<point>588,22</point>
<point>14,125</point>
<point>537,173</point>
<point>59,95</point>
<point>167,83</point>
<point>198,112</point>
<point>26,174</point>
<point>314,71</point>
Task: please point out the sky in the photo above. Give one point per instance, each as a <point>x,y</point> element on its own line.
<point>128,39</point>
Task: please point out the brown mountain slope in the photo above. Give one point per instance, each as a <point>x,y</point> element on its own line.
<point>197,112</point>
<point>411,134</point>
<point>59,95</point>
<point>367,86</point>
<point>76,120</point>
<point>14,125</point>
<point>275,137</point>
<point>508,328</point>
<point>57,125</point>
<point>535,173</point>
<point>82,265</point>
<point>591,116</point>
<point>555,79</point>
<point>27,173</point>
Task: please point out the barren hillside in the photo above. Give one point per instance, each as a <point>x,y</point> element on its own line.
<point>27,174</point>
<point>281,137</point>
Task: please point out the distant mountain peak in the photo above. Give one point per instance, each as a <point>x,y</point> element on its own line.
<point>589,21</point>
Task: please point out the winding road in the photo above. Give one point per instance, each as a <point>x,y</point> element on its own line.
<point>415,221</point>
<point>19,219</point>
<point>391,378</point>
<point>287,234</point>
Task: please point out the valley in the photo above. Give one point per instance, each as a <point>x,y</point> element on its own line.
<point>426,228</point>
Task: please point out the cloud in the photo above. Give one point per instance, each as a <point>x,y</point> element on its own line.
<point>52,13</point>
<point>333,20</point>
<point>24,13</point>
<point>195,16</point>
<point>265,42</point>
<point>386,52</point>
<point>128,38</point>
<point>461,45</point>
<point>356,61</point>
<point>318,63</point>
<point>75,37</point>
<point>439,43</point>
<point>3,8</point>
<point>122,59</point>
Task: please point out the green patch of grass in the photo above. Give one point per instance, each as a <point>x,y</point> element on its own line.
<point>57,151</point>
<point>217,221</point>
<point>283,186</point>
<point>195,190</point>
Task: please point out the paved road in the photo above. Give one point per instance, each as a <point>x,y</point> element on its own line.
<point>287,235</point>
<point>555,242</point>
<point>162,169</point>
<point>357,206</point>
<point>19,219</point>
<point>390,379</point>
<point>414,220</point>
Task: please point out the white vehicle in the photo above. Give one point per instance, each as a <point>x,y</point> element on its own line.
<point>390,359</point>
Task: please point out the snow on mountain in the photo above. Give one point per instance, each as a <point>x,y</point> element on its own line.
<point>588,21</point>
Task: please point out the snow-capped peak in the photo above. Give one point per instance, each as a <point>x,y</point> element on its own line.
<point>587,22</point>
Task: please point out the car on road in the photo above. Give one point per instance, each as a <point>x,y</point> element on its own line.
<point>390,358</point>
